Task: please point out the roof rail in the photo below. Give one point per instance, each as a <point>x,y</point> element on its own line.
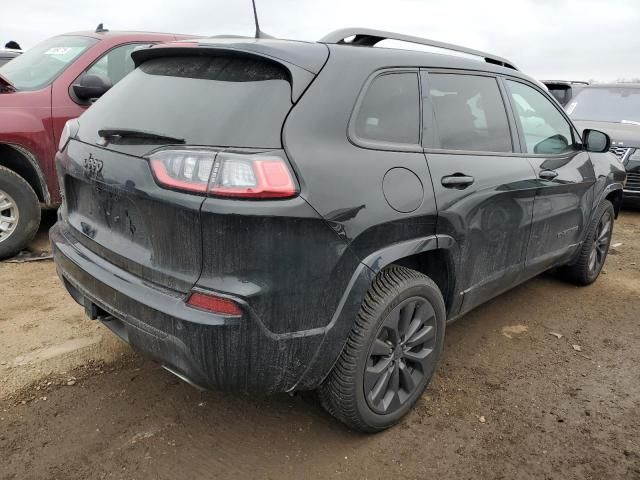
<point>367,37</point>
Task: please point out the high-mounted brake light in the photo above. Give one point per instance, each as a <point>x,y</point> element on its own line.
<point>234,175</point>
<point>214,304</point>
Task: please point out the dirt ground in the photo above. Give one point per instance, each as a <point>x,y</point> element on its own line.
<point>41,330</point>
<point>510,400</point>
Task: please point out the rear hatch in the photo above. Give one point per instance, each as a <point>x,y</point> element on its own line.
<point>181,106</point>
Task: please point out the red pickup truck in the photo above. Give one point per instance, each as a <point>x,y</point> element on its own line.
<point>39,91</point>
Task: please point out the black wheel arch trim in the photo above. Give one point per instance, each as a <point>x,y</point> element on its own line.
<point>336,333</point>
<point>612,187</point>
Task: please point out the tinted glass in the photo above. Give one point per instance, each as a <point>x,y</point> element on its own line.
<point>562,94</point>
<point>545,130</point>
<point>390,110</point>
<point>221,101</point>
<point>614,104</point>
<point>116,64</point>
<point>39,66</point>
<point>469,113</point>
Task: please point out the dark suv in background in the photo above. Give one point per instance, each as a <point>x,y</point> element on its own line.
<point>614,109</point>
<point>272,216</point>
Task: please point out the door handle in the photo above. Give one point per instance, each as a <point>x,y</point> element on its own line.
<point>548,174</point>
<point>457,180</point>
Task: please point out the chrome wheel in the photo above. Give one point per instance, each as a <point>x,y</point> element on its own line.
<point>601,242</point>
<point>9,216</point>
<point>401,358</point>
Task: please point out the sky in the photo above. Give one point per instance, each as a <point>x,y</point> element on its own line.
<point>547,39</point>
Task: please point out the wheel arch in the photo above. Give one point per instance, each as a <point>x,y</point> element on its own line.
<point>422,254</point>
<point>431,256</point>
<point>614,195</point>
<point>23,162</point>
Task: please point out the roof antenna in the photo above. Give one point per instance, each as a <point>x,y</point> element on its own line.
<point>101,29</point>
<point>259,33</point>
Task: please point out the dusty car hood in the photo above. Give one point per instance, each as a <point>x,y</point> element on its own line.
<point>628,134</point>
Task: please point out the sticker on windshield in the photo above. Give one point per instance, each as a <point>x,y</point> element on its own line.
<point>572,107</point>
<point>58,51</point>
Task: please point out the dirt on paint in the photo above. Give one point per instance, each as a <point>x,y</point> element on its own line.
<point>543,383</point>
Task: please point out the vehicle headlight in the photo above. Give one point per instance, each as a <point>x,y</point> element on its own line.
<point>635,156</point>
<point>68,132</point>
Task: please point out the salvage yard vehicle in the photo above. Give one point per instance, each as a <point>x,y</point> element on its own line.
<point>39,91</point>
<point>615,109</point>
<point>297,216</point>
<point>7,54</point>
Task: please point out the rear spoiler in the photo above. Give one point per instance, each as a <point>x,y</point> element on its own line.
<point>301,74</point>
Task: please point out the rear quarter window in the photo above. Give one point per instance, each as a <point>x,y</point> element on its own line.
<point>389,111</point>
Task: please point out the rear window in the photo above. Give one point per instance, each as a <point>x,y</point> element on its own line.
<point>221,101</point>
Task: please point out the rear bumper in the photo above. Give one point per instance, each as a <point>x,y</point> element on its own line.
<point>208,350</point>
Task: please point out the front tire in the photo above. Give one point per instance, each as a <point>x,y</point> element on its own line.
<point>593,253</point>
<point>19,213</point>
<point>391,353</point>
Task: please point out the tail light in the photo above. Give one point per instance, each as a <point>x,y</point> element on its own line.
<point>215,304</point>
<point>224,174</point>
<point>69,131</point>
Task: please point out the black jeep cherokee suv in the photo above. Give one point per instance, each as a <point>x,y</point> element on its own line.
<point>270,216</point>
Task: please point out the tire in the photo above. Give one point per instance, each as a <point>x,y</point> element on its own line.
<point>583,271</point>
<point>354,391</point>
<point>19,202</point>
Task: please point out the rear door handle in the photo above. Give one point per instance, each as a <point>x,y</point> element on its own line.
<point>548,174</point>
<point>457,180</point>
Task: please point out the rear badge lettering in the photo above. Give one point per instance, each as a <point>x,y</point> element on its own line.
<point>92,167</point>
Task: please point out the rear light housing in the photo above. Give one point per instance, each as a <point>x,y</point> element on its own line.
<point>214,304</point>
<point>69,131</point>
<point>224,174</point>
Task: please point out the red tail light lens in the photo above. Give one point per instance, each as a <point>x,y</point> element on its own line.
<point>257,176</point>
<point>214,304</point>
<point>253,176</point>
<point>187,170</point>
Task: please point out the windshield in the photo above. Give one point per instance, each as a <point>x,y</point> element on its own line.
<point>614,104</point>
<point>38,67</point>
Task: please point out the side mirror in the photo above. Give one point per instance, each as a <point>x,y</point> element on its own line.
<point>596,141</point>
<point>91,87</point>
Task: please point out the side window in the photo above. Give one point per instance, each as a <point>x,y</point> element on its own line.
<point>469,113</point>
<point>116,63</point>
<point>390,110</point>
<point>545,130</point>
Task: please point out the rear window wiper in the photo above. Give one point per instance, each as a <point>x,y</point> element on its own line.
<point>125,135</point>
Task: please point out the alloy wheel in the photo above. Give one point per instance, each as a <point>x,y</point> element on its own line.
<point>9,215</point>
<point>401,355</point>
<point>600,243</point>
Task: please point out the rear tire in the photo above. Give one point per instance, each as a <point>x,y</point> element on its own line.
<point>19,213</point>
<point>391,353</point>
<point>593,253</point>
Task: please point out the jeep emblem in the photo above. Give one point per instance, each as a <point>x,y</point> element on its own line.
<point>92,167</point>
